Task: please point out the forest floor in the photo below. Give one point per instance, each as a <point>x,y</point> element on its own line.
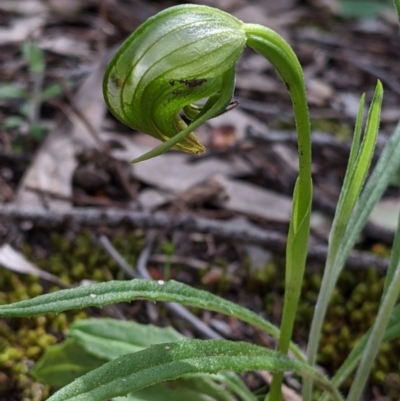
<point>216,221</point>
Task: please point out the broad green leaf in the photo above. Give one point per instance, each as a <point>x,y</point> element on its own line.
<point>122,291</point>
<point>169,361</point>
<point>93,342</point>
<point>63,363</point>
<point>12,91</point>
<point>110,338</point>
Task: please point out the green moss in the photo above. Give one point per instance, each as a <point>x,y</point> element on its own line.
<point>339,129</point>
<point>22,341</point>
<point>351,312</point>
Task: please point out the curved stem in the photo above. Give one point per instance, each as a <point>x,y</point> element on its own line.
<point>274,48</point>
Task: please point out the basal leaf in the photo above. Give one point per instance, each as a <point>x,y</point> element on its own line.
<point>110,338</point>
<point>122,291</point>
<point>63,363</point>
<point>168,391</point>
<point>172,360</point>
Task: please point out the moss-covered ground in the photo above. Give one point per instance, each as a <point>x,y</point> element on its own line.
<point>76,257</point>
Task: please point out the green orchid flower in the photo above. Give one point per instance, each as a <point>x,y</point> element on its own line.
<point>176,71</point>
<point>180,56</point>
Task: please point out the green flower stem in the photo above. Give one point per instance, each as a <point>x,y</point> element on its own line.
<point>188,53</point>
<point>280,54</point>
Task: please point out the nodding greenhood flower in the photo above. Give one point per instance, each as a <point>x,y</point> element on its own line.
<point>183,55</point>
<point>180,66</point>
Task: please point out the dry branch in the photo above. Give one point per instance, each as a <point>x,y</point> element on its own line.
<point>238,229</point>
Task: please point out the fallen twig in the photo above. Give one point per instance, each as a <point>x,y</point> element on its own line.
<point>238,229</point>
<point>142,272</point>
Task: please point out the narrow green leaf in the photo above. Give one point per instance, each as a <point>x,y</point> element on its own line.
<point>355,147</point>
<point>63,363</point>
<point>122,291</point>
<point>172,360</point>
<point>397,6</point>
<point>357,172</point>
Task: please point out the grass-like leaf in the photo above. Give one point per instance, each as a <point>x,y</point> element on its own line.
<point>122,291</point>
<point>397,6</point>
<point>357,169</point>
<point>172,360</point>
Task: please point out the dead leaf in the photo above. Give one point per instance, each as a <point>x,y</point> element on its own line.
<point>319,92</point>
<point>16,262</point>
<point>24,7</point>
<point>347,102</point>
<point>257,82</point>
<point>172,172</point>
<point>66,46</point>
<point>251,199</point>
<point>55,162</point>
<point>21,29</point>
<point>238,119</point>
<point>69,7</point>
<point>385,214</point>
